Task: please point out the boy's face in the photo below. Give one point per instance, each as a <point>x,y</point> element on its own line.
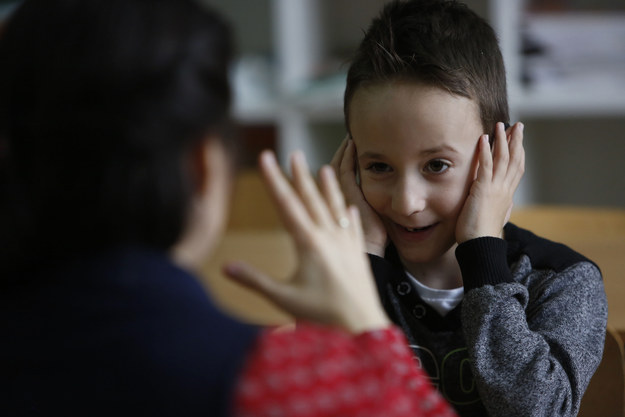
<point>416,148</point>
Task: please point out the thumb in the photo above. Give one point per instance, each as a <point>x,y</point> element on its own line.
<point>255,280</point>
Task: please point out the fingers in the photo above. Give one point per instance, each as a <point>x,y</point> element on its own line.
<point>485,160</point>
<point>347,176</point>
<point>345,166</point>
<point>336,200</point>
<point>338,155</point>
<point>309,192</point>
<point>508,155</point>
<point>332,192</point>
<point>501,153</point>
<point>347,170</point>
<point>343,163</point>
<point>251,278</point>
<point>303,204</point>
<point>354,215</point>
<point>289,206</point>
<point>517,154</point>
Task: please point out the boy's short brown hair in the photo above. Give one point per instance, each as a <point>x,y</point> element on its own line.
<point>437,43</point>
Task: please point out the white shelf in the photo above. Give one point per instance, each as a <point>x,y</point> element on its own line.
<point>569,101</point>
<point>580,70</point>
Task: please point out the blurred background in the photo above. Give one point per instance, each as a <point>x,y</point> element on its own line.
<point>566,76</point>
<point>566,73</point>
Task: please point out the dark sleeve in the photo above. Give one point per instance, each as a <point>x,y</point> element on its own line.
<point>483,261</point>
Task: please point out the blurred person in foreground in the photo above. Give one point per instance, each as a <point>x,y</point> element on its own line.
<point>116,163</point>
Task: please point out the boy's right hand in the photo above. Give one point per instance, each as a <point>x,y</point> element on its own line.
<point>344,164</point>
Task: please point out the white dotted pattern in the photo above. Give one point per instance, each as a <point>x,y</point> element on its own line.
<point>315,371</point>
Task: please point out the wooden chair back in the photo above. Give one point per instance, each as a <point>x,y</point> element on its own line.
<point>599,234</point>
<point>605,395</point>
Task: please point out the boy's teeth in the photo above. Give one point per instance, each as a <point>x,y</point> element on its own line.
<point>415,229</point>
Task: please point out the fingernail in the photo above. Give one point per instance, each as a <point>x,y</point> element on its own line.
<point>521,126</point>
<point>299,157</point>
<point>231,268</point>
<point>327,170</point>
<point>236,267</point>
<point>268,157</point>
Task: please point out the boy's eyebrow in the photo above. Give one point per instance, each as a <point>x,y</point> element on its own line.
<point>371,155</point>
<point>438,149</point>
<point>430,151</point>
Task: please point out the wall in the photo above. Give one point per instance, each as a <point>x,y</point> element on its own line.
<point>577,161</point>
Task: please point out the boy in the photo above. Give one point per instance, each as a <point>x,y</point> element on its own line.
<point>504,322</point>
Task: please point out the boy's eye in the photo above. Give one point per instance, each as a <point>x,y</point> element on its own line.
<point>437,166</point>
<point>378,167</point>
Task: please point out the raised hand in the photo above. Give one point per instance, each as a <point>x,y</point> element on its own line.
<point>344,165</point>
<point>333,283</point>
<point>489,203</point>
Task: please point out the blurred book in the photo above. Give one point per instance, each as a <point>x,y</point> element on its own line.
<point>574,50</point>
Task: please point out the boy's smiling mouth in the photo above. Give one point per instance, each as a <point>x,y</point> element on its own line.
<point>412,234</point>
<point>418,229</point>
<point>414,231</point>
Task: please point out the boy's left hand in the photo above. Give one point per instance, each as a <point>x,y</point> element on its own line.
<point>489,203</point>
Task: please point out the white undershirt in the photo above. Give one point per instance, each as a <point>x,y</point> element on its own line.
<point>443,301</point>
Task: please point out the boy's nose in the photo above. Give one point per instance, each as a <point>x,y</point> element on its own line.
<point>409,197</point>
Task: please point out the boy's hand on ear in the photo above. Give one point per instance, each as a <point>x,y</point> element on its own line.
<point>333,283</point>
<point>344,164</point>
<point>489,203</point>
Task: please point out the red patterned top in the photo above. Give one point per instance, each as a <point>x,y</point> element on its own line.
<point>316,371</point>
